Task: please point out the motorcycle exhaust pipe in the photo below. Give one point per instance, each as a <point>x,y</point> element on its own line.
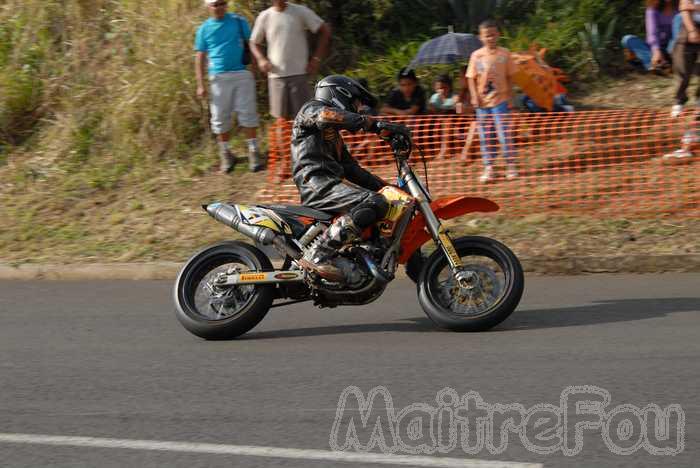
<point>382,277</point>
<point>227,215</point>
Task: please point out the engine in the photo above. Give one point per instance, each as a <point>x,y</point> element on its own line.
<point>360,286</point>
<point>349,261</point>
<point>355,275</point>
<point>357,263</point>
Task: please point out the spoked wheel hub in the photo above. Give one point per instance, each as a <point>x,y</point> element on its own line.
<point>484,291</point>
<point>472,290</point>
<point>217,301</point>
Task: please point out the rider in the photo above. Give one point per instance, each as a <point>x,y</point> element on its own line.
<point>329,179</point>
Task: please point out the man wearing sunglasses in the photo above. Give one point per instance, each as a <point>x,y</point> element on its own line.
<point>219,46</point>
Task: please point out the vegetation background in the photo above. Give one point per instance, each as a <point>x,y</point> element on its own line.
<point>83,78</point>
<point>105,150</point>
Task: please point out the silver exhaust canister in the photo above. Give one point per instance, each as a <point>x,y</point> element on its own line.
<point>227,215</point>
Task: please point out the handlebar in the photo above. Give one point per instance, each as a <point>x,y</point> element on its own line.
<point>398,136</point>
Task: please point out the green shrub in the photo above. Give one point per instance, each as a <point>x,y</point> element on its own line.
<point>380,70</point>
<point>596,43</point>
<point>20,97</point>
<point>557,24</point>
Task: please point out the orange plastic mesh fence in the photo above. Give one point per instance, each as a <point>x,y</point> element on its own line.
<point>598,162</point>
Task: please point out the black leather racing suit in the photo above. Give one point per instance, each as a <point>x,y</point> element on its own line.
<point>322,165</point>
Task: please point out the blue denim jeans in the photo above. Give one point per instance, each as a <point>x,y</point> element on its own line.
<point>494,127</point>
<point>640,49</point>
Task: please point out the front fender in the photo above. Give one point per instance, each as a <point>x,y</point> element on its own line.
<point>444,208</point>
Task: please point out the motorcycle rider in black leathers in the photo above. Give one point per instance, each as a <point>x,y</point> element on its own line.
<point>327,176</point>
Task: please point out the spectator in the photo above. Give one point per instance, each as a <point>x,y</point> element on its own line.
<point>444,101</point>
<point>409,98</point>
<point>655,53</point>
<point>220,43</point>
<point>490,76</point>
<point>686,53</point>
<point>283,28</point>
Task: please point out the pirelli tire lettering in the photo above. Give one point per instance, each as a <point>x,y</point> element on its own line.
<point>272,277</point>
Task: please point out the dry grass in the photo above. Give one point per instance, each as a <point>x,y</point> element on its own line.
<point>100,129</point>
<point>633,91</point>
<point>100,83</point>
<point>105,156</point>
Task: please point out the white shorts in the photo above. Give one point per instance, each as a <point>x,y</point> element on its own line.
<point>232,92</point>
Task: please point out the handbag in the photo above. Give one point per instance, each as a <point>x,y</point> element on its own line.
<point>246,59</point>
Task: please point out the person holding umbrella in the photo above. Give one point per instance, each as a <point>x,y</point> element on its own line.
<point>490,75</point>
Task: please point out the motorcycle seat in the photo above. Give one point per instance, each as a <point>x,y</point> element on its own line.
<point>300,210</point>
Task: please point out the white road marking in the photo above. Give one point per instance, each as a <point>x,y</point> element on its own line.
<point>254,451</point>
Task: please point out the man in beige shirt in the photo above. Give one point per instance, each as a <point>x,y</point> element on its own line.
<point>490,75</point>
<point>283,28</point>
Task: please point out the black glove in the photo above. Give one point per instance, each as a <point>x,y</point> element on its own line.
<point>371,124</point>
<point>387,129</point>
<point>398,136</point>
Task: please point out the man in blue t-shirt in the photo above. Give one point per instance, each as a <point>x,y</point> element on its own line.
<point>220,44</point>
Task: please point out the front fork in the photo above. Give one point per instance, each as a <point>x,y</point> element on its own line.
<point>437,230</point>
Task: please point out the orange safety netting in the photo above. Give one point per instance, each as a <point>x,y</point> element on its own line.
<point>609,163</point>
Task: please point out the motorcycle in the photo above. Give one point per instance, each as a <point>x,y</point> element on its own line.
<point>468,284</point>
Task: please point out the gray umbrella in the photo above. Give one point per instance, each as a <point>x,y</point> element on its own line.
<point>448,48</point>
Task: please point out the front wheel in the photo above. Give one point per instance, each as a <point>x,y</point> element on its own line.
<point>493,290</point>
<point>213,311</point>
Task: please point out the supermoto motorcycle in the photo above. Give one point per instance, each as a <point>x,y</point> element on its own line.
<point>466,284</point>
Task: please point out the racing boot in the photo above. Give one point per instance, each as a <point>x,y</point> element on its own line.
<point>319,256</point>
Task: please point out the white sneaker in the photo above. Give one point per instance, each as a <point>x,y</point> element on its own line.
<point>511,173</point>
<point>487,176</point>
<point>228,161</point>
<point>678,154</point>
<point>676,111</point>
<point>690,138</point>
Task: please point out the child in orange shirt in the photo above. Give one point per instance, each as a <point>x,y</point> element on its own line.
<point>490,73</point>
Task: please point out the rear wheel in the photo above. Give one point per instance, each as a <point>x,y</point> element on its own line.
<point>493,285</point>
<point>212,311</point>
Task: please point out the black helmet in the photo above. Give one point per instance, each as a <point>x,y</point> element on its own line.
<point>342,92</point>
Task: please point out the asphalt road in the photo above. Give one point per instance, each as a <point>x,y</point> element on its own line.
<point>108,360</point>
